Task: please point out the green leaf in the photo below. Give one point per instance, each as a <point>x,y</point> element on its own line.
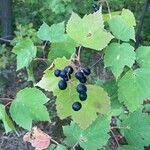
<point>129,17</point>
<point>111,88</point>
<point>26,52</point>
<point>92,138</point>
<point>117,56</point>
<point>134,88</point>
<point>27,106</point>
<point>135,129</point>
<point>89,31</point>
<point>121,29</point>
<point>142,54</point>
<point>127,147</point>
<point>8,124</point>
<point>51,147</point>
<point>54,33</point>
<point>61,147</point>
<point>58,50</point>
<point>106,17</point>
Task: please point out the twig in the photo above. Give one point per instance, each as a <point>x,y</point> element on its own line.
<point>8,104</point>
<point>115,138</point>
<point>95,63</point>
<point>140,26</point>
<point>75,145</point>
<point>7,99</point>
<point>54,141</point>
<point>108,8</point>
<point>5,40</point>
<point>42,59</point>
<point>79,55</point>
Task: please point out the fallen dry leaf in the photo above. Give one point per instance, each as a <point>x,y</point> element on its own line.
<point>37,138</point>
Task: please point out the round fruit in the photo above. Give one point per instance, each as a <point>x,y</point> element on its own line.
<point>57,72</point>
<point>83,97</point>
<point>67,78</point>
<point>63,74</point>
<point>76,106</point>
<point>68,69</point>
<point>87,71</point>
<point>83,80</point>
<point>79,75</point>
<point>81,89</point>
<point>62,85</point>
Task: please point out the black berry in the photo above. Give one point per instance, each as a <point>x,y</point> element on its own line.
<point>86,71</point>
<point>79,75</point>
<point>95,7</point>
<point>83,97</point>
<point>83,80</point>
<point>57,72</point>
<point>76,106</point>
<point>68,70</point>
<point>62,85</point>
<point>67,78</point>
<point>63,74</point>
<point>81,89</point>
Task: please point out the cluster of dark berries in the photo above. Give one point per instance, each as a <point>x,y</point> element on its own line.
<point>81,88</point>
<point>65,74</point>
<point>95,7</point>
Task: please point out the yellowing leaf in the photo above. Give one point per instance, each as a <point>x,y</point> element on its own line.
<point>89,31</point>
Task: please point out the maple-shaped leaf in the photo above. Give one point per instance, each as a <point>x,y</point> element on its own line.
<point>27,106</point>
<point>142,54</point>
<point>66,48</point>
<point>8,124</point>
<point>117,56</point>
<point>37,138</point>
<point>134,88</point>
<point>54,33</point>
<point>136,129</point>
<point>97,100</point>
<point>121,29</point>
<point>26,52</point>
<point>89,31</point>
<point>129,17</point>
<point>94,137</point>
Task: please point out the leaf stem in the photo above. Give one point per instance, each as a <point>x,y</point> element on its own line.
<point>108,7</point>
<point>79,55</point>
<point>54,141</point>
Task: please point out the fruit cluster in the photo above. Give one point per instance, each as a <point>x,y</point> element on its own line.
<point>95,7</point>
<point>65,74</point>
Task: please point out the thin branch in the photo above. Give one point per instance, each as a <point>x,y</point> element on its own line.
<point>79,55</point>
<point>7,99</point>
<point>115,138</point>
<point>95,63</point>
<point>108,7</point>
<point>42,59</point>
<point>141,23</point>
<point>54,141</point>
<point>5,40</point>
<point>76,144</point>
